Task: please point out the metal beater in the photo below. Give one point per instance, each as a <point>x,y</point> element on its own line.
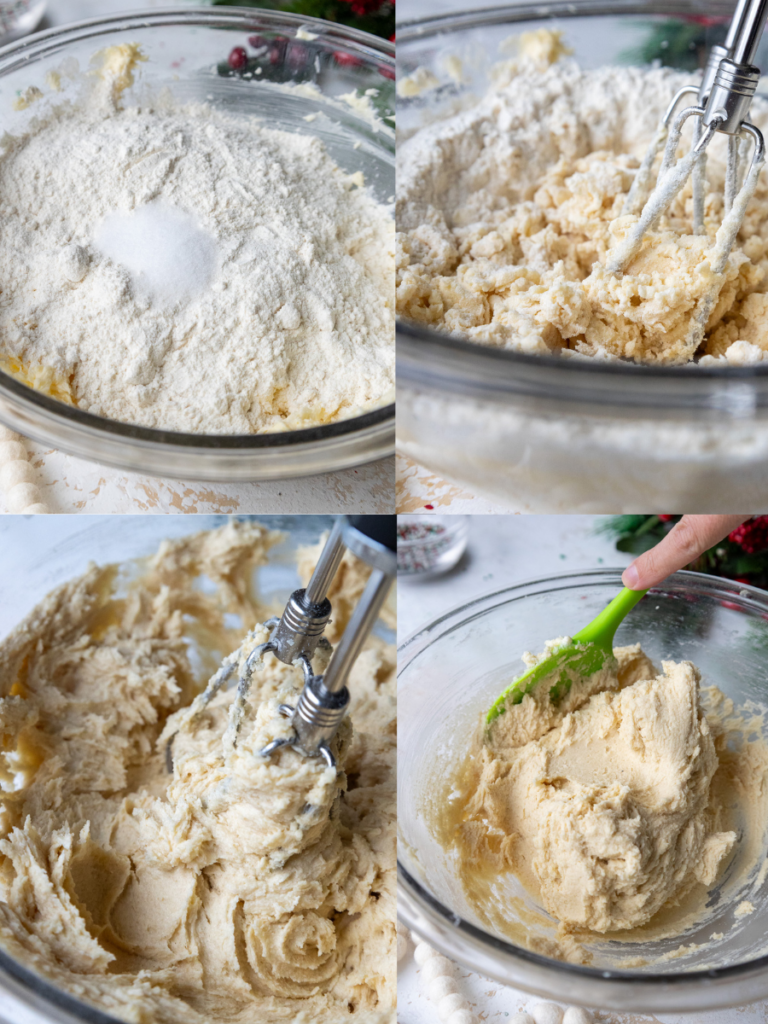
<point>296,635</point>
<point>723,101</point>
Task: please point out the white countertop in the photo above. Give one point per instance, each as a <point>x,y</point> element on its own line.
<point>419,490</point>
<point>69,484</point>
<point>502,551</point>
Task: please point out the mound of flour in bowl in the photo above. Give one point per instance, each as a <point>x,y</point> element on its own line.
<point>177,267</point>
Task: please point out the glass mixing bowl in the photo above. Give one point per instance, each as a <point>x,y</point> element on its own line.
<point>539,434</point>
<point>187,51</point>
<point>41,552</point>
<point>450,672</point>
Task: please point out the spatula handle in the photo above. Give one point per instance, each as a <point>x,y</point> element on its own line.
<point>602,629</point>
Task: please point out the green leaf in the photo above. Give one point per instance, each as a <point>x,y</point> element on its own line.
<point>676,43</point>
<point>747,565</point>
<point>621,524</point>
<point>380,22</point>
<point>648,525</point>
<point>637,544</point>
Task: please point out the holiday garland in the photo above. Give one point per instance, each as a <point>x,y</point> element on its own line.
<point>375,16</point>
<point>742,556</point>
<point>271,56</point>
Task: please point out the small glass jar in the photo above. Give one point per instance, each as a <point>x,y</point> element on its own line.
<point>430,545</point>
<point>19,17</point>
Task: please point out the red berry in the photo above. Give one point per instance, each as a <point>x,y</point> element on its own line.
<point>346,59</point>
<point>392,37</point>
<point>238,58</point>
<point>707,22</point>
<point>277,50</point>
<point>751,536</point>
<point>666,519</point>
<point>387,73</point>
<point>257,41</point>
<point>296,56</point>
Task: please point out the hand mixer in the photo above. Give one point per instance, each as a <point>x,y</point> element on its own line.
<point>296,635</point>
<point>723,100</point>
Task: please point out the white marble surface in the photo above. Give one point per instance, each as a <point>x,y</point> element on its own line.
<point>421,491</point>
<point>502,551</point>
<point>74,485</point>
<point>69,484</point>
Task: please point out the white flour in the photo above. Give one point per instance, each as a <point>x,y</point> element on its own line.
<point>177,267</point>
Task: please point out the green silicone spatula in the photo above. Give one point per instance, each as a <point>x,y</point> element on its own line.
<point>586,653</point>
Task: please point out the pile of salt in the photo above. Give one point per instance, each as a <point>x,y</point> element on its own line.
<point>170,258</point>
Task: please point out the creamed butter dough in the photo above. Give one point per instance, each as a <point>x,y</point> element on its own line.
<point>234,889</point>
<point>611,806</point>
<point>506,212</point>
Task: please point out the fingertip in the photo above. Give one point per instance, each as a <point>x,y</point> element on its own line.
<point>631,578</point>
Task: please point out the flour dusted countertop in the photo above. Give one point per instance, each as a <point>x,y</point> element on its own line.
<point>69,484</point>
<point>421,491</point>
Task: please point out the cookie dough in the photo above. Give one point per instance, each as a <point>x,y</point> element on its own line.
<point>506,213</point>
<point>610,807</point>
<point>233,889</point>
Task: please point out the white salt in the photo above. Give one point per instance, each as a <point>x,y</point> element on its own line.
<point>169,256</point>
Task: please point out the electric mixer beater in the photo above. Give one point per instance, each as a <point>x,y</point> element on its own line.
<point>297,634</point>
<point>723,100</point>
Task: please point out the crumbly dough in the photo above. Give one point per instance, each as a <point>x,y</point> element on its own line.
<point>506,212</point>
<point>608,807</point>
<point>233,890</point>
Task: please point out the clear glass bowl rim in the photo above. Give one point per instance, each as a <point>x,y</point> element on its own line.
<point>602,981</point>
<point>39,414</point>
<point>42,997</point>
<point>436,361</point>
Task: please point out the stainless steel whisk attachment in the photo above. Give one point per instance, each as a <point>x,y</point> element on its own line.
<point>723,100</point>
<point>298,633</point>
<point>324,700</point>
